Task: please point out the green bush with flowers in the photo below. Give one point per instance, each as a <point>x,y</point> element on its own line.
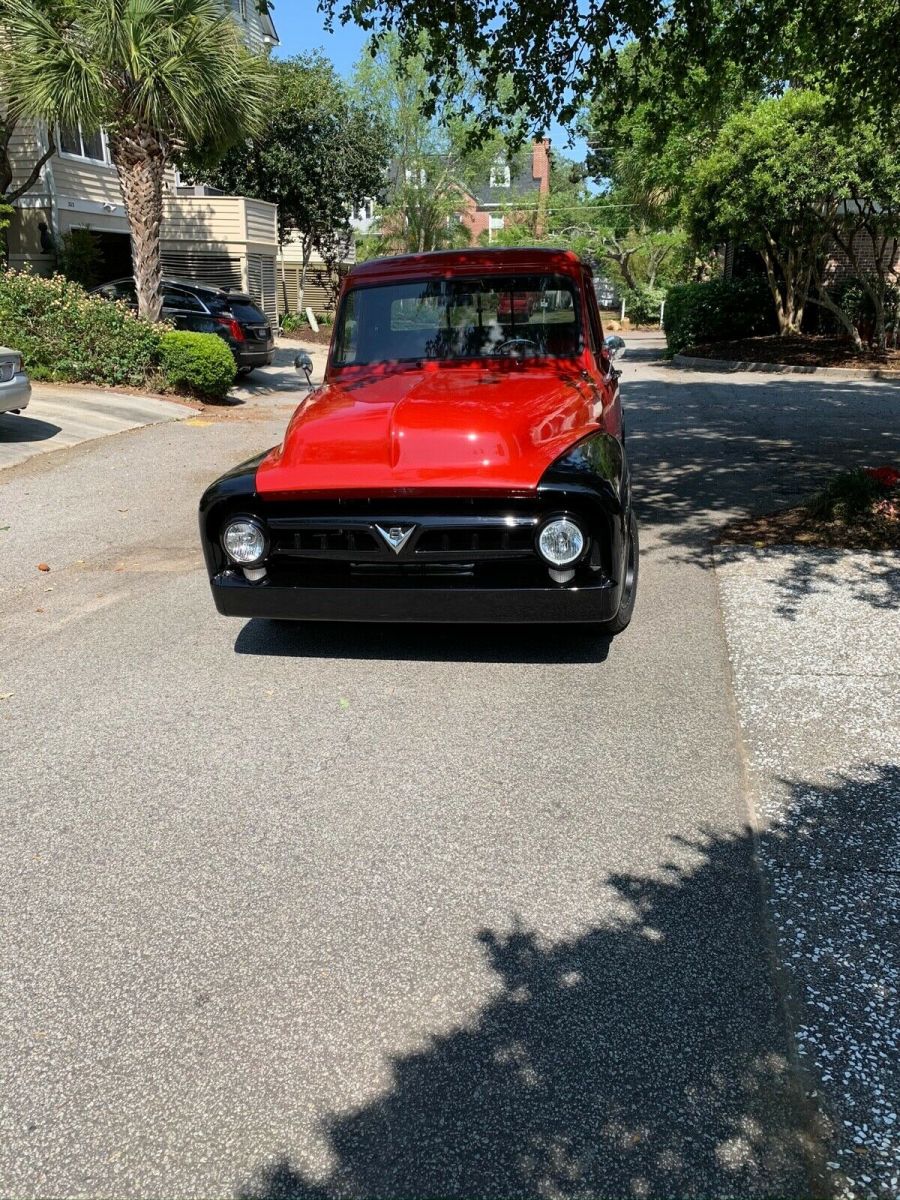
<point>64,334</point>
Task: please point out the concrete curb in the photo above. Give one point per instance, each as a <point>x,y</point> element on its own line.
<point>688,363</point>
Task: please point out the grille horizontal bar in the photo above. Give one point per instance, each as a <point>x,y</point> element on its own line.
<point>433,538</point>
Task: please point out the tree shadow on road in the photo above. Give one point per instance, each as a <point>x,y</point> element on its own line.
<point>645,1057</point>
<point>705,451</point>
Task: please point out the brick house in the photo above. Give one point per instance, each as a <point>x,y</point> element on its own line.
<point>511,188</point>
<point>207,237</point>
<point>485,207</point>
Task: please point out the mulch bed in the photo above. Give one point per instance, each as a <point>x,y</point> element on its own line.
<point>798,526</point>
<point>322,338</point>
<point>797,352</point>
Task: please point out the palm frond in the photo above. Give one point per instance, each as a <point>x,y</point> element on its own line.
<point>176,69</point>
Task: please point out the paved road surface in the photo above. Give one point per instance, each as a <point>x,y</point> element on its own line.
<point>372,912</point>
<point>59,417</point>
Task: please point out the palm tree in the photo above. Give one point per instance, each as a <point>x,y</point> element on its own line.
<point>158,75</point>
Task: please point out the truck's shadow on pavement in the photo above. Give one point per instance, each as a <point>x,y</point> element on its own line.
<point>644,1057</point>
<point>423,643</point>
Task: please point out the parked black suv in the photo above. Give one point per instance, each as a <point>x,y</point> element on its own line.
<point>203,309</point>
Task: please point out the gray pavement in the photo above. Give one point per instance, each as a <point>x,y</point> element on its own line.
<point>814,637</point>
<point>321,912</point>
<point>59,417</point>
<point>269,384</point>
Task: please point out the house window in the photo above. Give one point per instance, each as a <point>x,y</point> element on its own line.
<point>92,146</point>
<point>500,175</point>
<point>415,178</point>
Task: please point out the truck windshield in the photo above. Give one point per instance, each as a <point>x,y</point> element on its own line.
<point>517,316</point>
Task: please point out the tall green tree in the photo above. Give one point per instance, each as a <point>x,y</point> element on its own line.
<point>12,189</point>
<point>606,228</point>
<point>865,227</point>
<point>548,59</point>
<point>776,178</point>
<point>319,155</point>
<point>157,75</point>
<point>434,154</point>
<point>20,177</point>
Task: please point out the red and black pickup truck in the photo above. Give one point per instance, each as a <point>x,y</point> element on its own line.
<point>463,459</point>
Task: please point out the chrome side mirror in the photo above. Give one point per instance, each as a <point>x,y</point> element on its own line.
<point>615,346</point>
<point>305,364</point>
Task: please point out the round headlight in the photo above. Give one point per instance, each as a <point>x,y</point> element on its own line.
<point>244,542</point>
<point>561,542</point>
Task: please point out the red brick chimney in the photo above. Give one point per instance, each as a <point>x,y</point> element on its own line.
<point>540,163</point>
<point>540,170</point>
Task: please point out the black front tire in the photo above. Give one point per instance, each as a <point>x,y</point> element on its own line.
<point>629,592</point>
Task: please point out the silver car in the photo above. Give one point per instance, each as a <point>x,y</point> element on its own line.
<point>15,387</point>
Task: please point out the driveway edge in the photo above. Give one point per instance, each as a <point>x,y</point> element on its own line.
<point>689,362</point>
<point>803,1081</point>
<point>816,717</point>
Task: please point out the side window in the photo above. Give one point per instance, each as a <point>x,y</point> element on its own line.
<point>184,301</point>
<point>595,334</point>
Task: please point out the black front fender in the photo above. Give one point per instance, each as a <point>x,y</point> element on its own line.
<point>234,490</point>
<point>596,468</point>
<point>593,477</point>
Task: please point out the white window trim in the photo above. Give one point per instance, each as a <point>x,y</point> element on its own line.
<point>106,161</point>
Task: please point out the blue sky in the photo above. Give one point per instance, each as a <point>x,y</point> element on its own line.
<point>301,27</point>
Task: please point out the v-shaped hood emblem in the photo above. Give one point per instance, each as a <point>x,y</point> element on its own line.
<point>396,536</point>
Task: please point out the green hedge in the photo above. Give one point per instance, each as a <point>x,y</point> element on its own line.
<point>718,311</point>
<point>642,306</point>
<point>64,334</point>
<point>197,362</point>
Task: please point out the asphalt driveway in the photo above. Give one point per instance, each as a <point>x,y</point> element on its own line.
<point>58,417</point>
<point>389,912</point>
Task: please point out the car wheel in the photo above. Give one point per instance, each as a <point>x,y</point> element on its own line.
<point>243,372</point>
<point>629,592</point>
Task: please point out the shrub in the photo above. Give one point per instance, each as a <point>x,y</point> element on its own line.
<point>642,306</point>
<point>6,215</point>
<point>853,297</point>
<point>293,320</point>
<point>717,311</point>
<point>200,363</point>
<point>848,496</point>
<point>64,334</point>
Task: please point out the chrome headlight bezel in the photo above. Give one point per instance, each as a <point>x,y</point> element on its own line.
<point>578,534</point>
<point>258,527</point>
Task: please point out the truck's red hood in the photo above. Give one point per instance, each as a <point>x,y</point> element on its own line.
<point>460,427</point>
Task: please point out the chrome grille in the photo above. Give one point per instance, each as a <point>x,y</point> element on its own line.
<point>434,538</point>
